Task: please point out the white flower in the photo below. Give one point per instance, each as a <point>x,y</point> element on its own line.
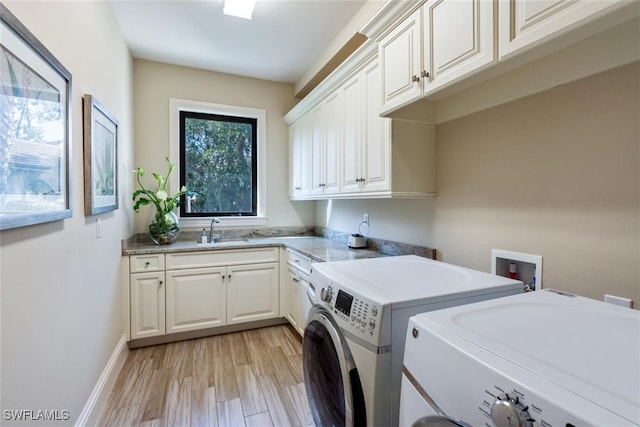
<point>162,195</point>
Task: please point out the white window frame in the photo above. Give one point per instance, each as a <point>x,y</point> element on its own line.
<point>178,105</point>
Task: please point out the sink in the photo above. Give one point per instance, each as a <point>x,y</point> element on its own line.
<point>229,242</point>
<point>224,242</point>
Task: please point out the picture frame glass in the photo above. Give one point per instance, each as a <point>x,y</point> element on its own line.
<point>101,167</point>
<point>34,130</point>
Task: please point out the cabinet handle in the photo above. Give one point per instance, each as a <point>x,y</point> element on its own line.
<point>146,264</point>
<point>424,73</point>
<point>297,261</point>
<point>229,277</point>
<point>223,277</point>
<point>415,78</point>
<point>161,282</point>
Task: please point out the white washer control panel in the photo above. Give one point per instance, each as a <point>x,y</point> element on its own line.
<point>354,313</point>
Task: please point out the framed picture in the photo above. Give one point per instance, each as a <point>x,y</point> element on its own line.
<point>100,158</point>
<point>35,123</point>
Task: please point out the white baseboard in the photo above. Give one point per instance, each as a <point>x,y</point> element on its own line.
<point>94,407</point>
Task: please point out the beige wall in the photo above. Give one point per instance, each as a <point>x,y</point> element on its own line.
<point>553,174</point>
<point>155,83</point>
<point>61,300</point>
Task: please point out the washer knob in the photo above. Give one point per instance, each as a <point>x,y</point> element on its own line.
<point>326,294</point>
<point>507,411</point>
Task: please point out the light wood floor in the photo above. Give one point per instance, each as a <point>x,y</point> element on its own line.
<point>249,378</point>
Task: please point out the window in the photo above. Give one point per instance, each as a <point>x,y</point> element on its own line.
<point>219,150</point>
<point>217,164</point>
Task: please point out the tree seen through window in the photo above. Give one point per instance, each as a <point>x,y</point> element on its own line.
<point>218,164</point>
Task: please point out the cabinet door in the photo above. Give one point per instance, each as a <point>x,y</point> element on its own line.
<point>196,299</point>
<point>527,23</point>
<point>147,304</point>
<point>400,57</point>
<point>332,118</point>
<point>377,134</point>
<point>292,299</point>
<point>352,142</point>
<point>253,292</point>
<point>458,40</point>
<point>299,136</point>
<point>304,302</point>
<point>316,145</point>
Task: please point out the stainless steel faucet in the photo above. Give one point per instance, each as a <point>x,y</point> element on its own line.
<point>212,236</point>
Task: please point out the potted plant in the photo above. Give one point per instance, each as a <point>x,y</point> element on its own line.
<point>163,227</point>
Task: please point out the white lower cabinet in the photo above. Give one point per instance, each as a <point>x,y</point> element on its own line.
<point>303,301</point>
<point>196,299</point>
<point>298,304</point>
<point>146,292</point>
<point>252,292</point>
<point>292,312</point>
<point>203,290</point>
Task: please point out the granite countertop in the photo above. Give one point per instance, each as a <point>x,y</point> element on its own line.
<point>319,244</point>
<point>316,248</point>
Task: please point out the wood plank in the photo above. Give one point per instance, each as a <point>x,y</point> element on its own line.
<point>250,393</point>
<point>263,419</point>
<point>224,379</point>
<point>124,416</point>
<point>295,364</point>
<point>238,349</point>
<point>260,359</point>
<point>280,409</point>
<point>179,356</point>
<point>178,402</point>
<point>204,411</point>
<point>135,384</point>
<point>282,369</point>
<point>200,366</point>
<point>153,402</point>
<point>298,396</point>
<point>230,413</point>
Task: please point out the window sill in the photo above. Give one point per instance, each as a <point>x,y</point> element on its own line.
<point>225,221</point>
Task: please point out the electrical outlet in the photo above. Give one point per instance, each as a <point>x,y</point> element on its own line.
<point>365,218</point>
<point>98,228</point>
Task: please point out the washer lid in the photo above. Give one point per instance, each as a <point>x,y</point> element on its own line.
<point>585,346</point>
<point>412,279</point>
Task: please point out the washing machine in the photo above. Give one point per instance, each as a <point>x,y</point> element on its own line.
<point>354,338</point>
<point>538,359</point>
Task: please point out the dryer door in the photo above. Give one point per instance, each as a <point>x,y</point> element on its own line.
<point>331,379</point>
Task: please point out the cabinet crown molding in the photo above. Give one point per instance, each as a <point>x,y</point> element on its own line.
<point>389,15</point>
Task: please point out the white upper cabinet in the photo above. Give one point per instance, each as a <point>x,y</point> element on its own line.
<point>365,151</point>
<point>352,144</point>
<point>400,56</point>
<point>527,23</point>
<point>458,40</point>
<point>299,137</point>
<point>332,121</point>
<point>325,122</point>
<point>436,45</point>
<point>376,153</point>
<point>355,153</point>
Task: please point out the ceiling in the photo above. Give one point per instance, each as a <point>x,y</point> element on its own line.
<point>281,43</point>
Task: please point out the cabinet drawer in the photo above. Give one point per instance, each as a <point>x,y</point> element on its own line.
<point>299,261</point>
<point>180,260</point>
<point>143,263</point>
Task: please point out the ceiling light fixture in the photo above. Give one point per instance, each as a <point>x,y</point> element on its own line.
<point>239,8</point>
